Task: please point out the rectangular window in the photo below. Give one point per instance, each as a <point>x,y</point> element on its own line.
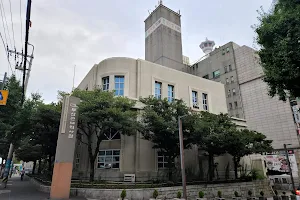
<point>232,79</point>
<point>158,90</point>
<point>195,99</point>
<point>229,93</point>
<point>206,76</point>
<point>216,74</point>
<point>162,160</point>
<point>204,101</point>
<point>170,93</point>
<point>225,69</point>
<point>77,161</point>
<point>108,159</point>
<point>235,104</point>
<point>119,85</point>
<point>230,106</point>
<point>223,52</point>
<point>227,49</point>
<point>105,83</point>
<point>227,81</point>
<point>233,92</point>
<point>230,68</point>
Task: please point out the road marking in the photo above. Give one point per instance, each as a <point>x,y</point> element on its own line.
<point>8,184</point>
<point>4,191</point>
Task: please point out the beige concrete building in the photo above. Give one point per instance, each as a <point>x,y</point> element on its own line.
<point>134,79</point>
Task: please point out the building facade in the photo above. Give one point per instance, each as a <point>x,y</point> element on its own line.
<point>239,69</point>
<point>134,79</point>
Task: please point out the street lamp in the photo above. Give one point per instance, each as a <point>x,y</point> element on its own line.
<point>182,155</point>
<point>289,165</point>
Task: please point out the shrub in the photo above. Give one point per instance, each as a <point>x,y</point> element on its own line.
<point>201,194</point>
<point>250,193</point>
<point>123,194</point>
<point>155,194</point>
<point>276,192</point>
<point>236,194</point>
<point>178,194</point>
<point>262,193</point>
<point>219,194</point>
<point>283,193</point>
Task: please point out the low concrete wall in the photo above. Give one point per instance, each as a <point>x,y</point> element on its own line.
<point>210,191</point>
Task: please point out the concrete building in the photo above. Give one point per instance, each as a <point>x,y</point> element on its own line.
<point>134,79</point>
<point>238,68</point>
<point>163,42</point>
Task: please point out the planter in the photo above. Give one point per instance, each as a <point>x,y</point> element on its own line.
<point>218,198</point>
<point>262,198</point>
<point>236,198</point>
<point>178,199</point>
<point>284,197</point>
<point>201,199</point>
<point>293,197</point>
<point>276,198</point>
<point>154,199</point>
<point>252,198</point>
<point>121,199</point>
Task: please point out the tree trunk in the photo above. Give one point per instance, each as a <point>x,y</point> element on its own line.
<point>211,170</point>
<point>236,163</point>
<point>34,166</point>
<point>49,163</point>
<point>170,173</point>
<point>92,169</point>
<point>40,166</point>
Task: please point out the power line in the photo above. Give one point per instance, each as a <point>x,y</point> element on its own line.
<point>6,53</point>
<point>12,24</point>
<point>6,23</point>
<point>21,24</point>
<point>3,24</point>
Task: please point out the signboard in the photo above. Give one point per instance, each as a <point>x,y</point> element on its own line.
<point>3,97</point>
<point>295,109</point>
<point>278,162</point>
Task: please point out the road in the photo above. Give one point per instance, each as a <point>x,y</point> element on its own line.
<point>22,190</point>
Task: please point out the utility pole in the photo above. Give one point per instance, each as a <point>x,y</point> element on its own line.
<point>11,147</point>
<point>183,177</point>
<point>289,165</point>
<point>3,82</point>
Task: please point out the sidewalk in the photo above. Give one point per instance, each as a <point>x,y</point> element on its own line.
<point>22,190</point>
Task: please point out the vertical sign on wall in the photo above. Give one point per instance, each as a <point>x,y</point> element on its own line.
<point>63,166</point>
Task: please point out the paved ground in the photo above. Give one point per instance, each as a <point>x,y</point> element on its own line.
<point>22,190</point>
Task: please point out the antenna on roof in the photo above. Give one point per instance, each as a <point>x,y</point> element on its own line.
<point>149,12</point>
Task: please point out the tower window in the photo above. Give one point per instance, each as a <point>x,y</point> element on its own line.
<point>216,73</point>
<point>119,85</point>
<point>195,99</point>
<point>105,83</point>
<point>170,93</point>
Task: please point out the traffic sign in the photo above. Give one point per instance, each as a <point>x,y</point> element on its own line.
<point>3,97</point>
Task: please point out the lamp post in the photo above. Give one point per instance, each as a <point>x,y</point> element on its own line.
<point>182,156</point>
<point>289,165</point>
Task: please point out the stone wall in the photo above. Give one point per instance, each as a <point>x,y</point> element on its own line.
<point>210,191</point>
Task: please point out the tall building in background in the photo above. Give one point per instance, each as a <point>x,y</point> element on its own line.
<point>239,69</point>
<point>163,43</point>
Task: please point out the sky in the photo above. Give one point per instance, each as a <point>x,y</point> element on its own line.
<point>81,33</point>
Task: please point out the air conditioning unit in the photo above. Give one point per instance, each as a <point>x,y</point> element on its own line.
<point>129,178</point>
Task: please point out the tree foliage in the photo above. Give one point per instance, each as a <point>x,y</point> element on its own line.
<point>240,143</point>
<point>210,133</point>
<point>160,119</point>
<point>278,34</point>
<point>103,114</point>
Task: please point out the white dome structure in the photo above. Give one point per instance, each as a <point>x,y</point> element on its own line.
<point>207,46</point>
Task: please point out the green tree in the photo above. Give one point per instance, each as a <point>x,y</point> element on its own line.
<point>160,120</point>
<point>9,112</point>
<point>240,143</point>
<point>209,133</point>
<point>28,151</point>
<point>278,34</point>
<point>102,113</point>
<point>46,121</point>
